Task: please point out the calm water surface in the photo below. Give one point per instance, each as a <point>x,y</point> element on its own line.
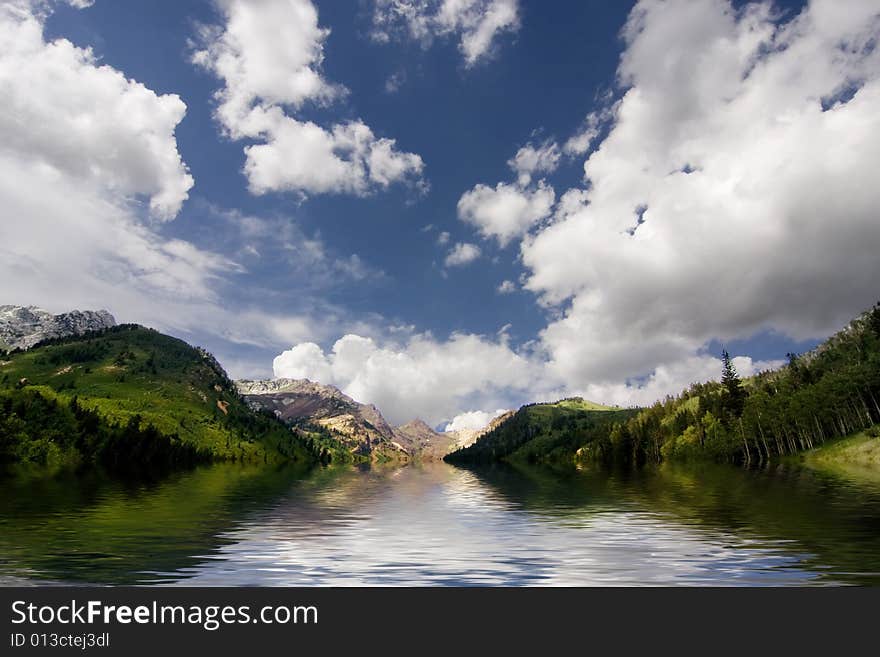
<point>440,525</point>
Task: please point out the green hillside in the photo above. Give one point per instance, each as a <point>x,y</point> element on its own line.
<point>821,396</point>
<point>543,432</point>
<point>125,393</point>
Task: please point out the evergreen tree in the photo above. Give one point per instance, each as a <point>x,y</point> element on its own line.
<point>874,319</point>
<point>732,384</point>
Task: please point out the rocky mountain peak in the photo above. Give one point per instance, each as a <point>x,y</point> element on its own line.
<point>361,426</point>
<point>21,327</point>
<point>416,425</point>
<point>292,387</point>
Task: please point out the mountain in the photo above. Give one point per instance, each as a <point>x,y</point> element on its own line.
<point>423,441</point>
<point>314,409</point>
<point>23,327</point>
<point>541,432</point>
<point>122,393</point>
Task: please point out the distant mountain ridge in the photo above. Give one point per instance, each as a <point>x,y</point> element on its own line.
<point>362,427</point>
<point>304,404</point>
<point>22,327</point>
<point>423,441</point>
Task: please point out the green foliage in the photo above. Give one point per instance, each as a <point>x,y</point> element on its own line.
<point>38,427</point>
<point>325,446</point>
<point>156,390</point>
<point>735,394</point>
<point>861,450</point>
<point>820,396</point>
<point>543,433</point>
<point>829,393</point>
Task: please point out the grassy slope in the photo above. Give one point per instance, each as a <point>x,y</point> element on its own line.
<point>132,371</point>
<point>543,432</point>
<point>859,449</point>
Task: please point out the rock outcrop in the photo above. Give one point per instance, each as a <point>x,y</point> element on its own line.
<point>300,402</point>
<point>422,440</point>
<point>22,327</point>
<point>360,427</point>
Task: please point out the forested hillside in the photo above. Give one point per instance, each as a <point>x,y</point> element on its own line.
<point>829,393</point>
<point>131,395</point>
<point>543,432</point>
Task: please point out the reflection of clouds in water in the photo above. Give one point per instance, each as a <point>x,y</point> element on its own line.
<point>439,525</point>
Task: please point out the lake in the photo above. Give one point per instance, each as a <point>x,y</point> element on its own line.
<point>436,524</point>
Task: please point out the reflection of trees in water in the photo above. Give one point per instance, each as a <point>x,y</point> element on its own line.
<point>833,519</point>
<point>85,527</point>
<point>88,527</point>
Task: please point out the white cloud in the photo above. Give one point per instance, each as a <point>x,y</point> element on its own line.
<point>507,211</point>
<point>507,287</point>
<point>78,142</point>
<point>280,244</point>
<point>734,193</point>
<point>665,379</point>
<point>268,53</point>
<point>41,8</point>
<point>753,184</point>
<point>80,146</point>
<point>80,4</point>
<point>477,23</point>
<point>531,159</point>
<point>462,254</point>
<point>473,420</point>
<point>423,378</point>
<point>581,142</point>
<point>443,238</point>
<point>63,110</point>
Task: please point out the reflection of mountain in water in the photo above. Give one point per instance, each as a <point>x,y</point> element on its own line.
<point>437,525</point>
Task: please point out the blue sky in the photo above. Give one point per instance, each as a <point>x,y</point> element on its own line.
<point>465,123</point>
<point>592,307</point>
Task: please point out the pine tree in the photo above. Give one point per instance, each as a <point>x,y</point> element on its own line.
<point>732,384</point>
<point>874,319</point>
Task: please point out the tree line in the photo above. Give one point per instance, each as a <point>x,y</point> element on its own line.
<point>36,428</point>
<point>828,393</point>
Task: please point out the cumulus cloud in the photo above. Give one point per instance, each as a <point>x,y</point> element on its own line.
<point>473,420</point>
<point>81,148</point>
<point>666,379</point>
<point>462,254</point>
<point>78,143</point>
<point>423,378</point>
<point>268,53</point>
<point>476,23</point>
<point>505,212</point>
<point>531,159</point>
<point>733,193</point>
<point>443,238</point>
<point>67,112</point>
